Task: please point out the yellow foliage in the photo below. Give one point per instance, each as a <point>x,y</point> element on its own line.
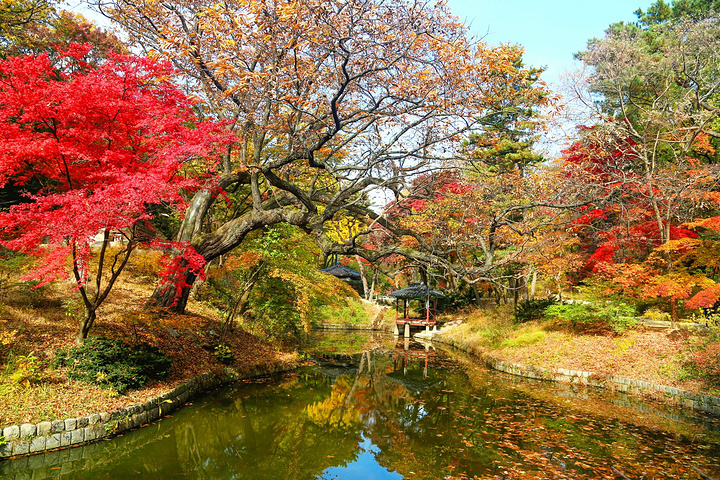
<point>7,337</point>
<point>333,412</point>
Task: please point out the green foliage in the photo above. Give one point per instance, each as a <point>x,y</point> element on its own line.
<point>272,283</point>
<point>622,324</point>
<point>144,264</point>
<point>348,311</point>
<point>19,371</point>
<point>223,353</point>
<point>114,364</point>
<point>272,312</point>
<point>13,289</point>
<point>10,264</point>
<point>24,369</point>
<point>618,315</point>
<point>532,309</point>
<point>455,300</point>
<point>660,11</point>
<point>524,339</point>
<point>73,307</point>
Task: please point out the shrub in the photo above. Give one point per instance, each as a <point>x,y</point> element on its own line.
<point>619,316</point>
<point>144,264</point>
<point>19,371</point>
<point>455,300</point>
<point>532,309</point>
<point>706,360</point>
<point>224,354</point>
<point>114,364</point>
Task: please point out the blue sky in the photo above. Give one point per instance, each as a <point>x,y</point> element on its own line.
<point>549,30</point>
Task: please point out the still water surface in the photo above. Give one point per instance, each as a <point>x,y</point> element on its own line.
<point>369,408</point>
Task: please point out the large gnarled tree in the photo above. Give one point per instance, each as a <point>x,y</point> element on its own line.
<point>335,103</point>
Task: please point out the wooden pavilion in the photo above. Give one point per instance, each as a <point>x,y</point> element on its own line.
<point>415,292</point>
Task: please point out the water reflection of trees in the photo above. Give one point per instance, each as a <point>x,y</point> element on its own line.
<point>437,422</point>
<point>424,416</point>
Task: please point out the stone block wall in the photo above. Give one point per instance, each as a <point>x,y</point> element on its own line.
<point>17,440</point>
<point>695,401</point>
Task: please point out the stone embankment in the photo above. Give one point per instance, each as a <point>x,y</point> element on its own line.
<point>342,327</point>
<point>695,401</point>
<point>16,440</point>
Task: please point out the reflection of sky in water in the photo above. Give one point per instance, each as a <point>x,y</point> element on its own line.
<point>364,468</point>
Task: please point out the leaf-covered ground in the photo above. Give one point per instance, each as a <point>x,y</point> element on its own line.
<point>31,331</point>
<point>647,354</point>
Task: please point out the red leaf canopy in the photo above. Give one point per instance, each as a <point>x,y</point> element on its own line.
<point>103,144</point>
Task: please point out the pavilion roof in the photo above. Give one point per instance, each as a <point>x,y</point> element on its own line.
<point>416,290</point>
<point>341,271</point>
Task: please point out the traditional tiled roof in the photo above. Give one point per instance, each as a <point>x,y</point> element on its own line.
<point>416,290</point>
<point>341,271</point>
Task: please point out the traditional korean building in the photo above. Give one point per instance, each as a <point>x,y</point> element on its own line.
<point>348,275</point>
<point>419,307</point>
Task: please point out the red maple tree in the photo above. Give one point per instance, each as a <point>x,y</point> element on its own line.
<point>93,148</point>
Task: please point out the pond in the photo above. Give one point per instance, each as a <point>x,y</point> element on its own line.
<point>366,407</point>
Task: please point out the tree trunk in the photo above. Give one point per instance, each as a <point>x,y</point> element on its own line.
<point>85,325</point>
<point>674,315</point>
<point>196,286</point>
<point>222,241</point>
<point>515,285</point>
<point>238,310</point>
<point>424,275</point>
<point>533,285</point>
<point>363,277</point>
<point>165,295</point>
<point>477,294</point>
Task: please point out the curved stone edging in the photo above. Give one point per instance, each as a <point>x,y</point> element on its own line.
<point>343,326</point>
<point>695,401</point>
<point>31,438</point>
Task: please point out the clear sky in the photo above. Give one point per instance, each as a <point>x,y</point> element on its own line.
<point>549,30</point>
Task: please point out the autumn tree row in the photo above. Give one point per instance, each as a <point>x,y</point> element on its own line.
<point>632,206</point>
<point>297,112</point>
<point>383,115</point>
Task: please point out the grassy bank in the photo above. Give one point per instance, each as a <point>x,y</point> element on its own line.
<point>652,355</point>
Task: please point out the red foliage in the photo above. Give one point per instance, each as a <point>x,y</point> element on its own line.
<point>676,233</point>
<point>603,254</point>
<point>587,218</point>
<point>103,143</point>
<point>182,257</point>
<point>594,160</point>
<point>705,298</point>
<point>707,360</point>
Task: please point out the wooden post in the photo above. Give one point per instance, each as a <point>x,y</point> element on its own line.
<point>427,311</point>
